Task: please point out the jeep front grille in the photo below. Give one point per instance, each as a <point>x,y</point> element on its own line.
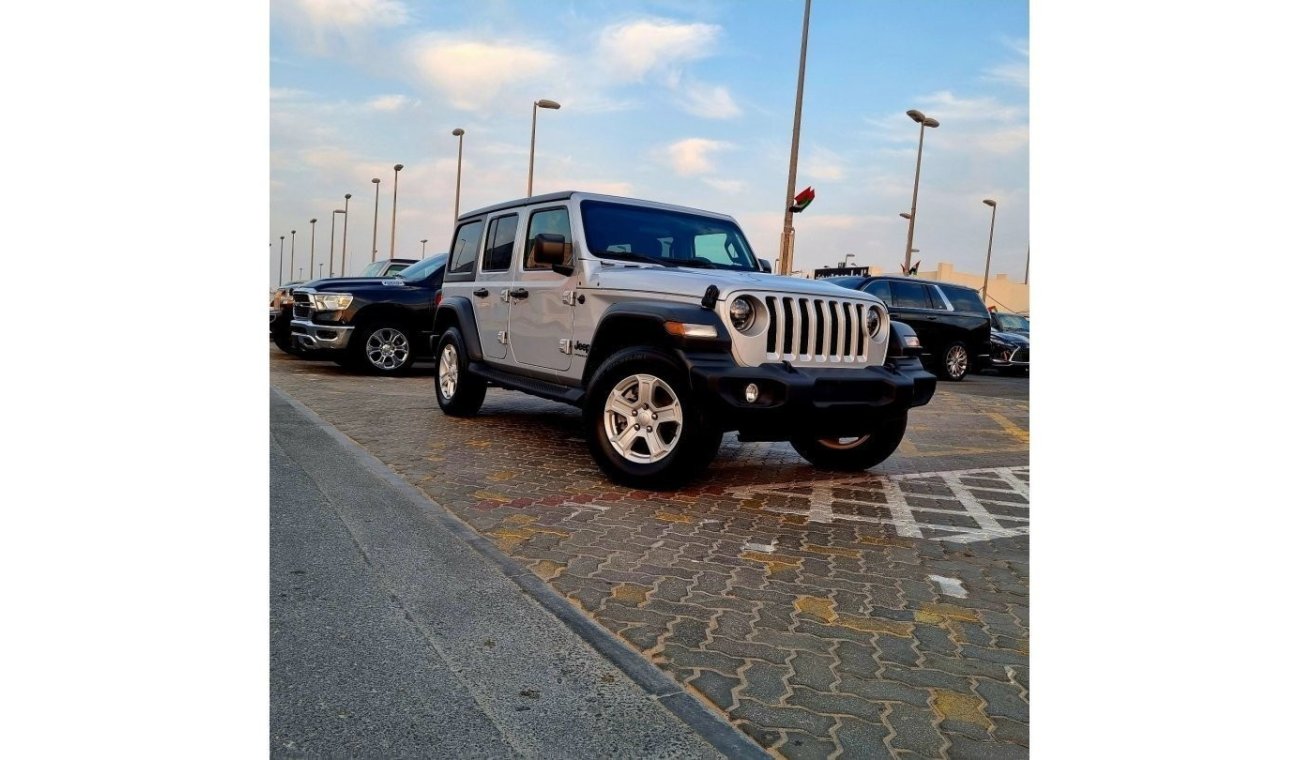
<point>810,329</point>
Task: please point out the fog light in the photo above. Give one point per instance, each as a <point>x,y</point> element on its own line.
<point>751,393</point>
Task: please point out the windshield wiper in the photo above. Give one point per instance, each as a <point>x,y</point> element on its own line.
<point>700,263</point>
<point>630,256</point>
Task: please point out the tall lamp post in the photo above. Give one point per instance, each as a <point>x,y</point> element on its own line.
<point>422,242</point>
<point>343,259</point>
<point>459,134</point>
<point>1026,264</point>
<point>786,260</point>
<point>374,230</point>
<point>924,121</point>
<point>336,211</point>
<point>293,237</point>
<point>392,235</point>
<point>311,264</point>
<point>532,145</point>
<point>280,270</point>
<point>984,292</point>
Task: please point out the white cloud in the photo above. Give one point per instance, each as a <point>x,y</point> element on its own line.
<point>473,74</point>
<point>342,14</point>
<point>388,103</point>
<point>693,155</point>
<point>823,165</point>
<point>1010,73</point>
<point>631,50</point>
<point>1004,141</point>
<point>710,102</point>
<point>728,186</point>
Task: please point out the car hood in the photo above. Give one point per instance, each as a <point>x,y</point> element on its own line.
<point>693,282</point>
<point>1015,339</point>
<point>346,284</point>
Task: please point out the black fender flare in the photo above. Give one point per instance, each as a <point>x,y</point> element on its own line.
<point>898,333</point>
<point>457,311</point>
<point>632,323</point>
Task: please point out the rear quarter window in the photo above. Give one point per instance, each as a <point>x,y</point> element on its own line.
<point>964,300</point>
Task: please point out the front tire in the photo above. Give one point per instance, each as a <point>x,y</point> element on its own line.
<point>642,425</point>
<point>853,455</point>
<point>382,348</point>
<point>460,394</point>
<point>955,362</point>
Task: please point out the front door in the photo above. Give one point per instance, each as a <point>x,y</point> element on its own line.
<point>492,290</point>
<point>541,304</point>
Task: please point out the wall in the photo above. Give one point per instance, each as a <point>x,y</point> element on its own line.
<point>1004,293</point>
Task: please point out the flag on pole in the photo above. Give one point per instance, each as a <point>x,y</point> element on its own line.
<point>802,200</point>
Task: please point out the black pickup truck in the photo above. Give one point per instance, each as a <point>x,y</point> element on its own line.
<point>375,324</point>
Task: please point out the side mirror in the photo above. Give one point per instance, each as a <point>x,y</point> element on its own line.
<point>553,250</point>
<point>765,265</point>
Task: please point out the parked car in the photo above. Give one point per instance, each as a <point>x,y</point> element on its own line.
<point>660,323</point>
<point>1009,352</point>
<point>281,315</point>
<point>951,320</point>
<point>377,324</point>
<point>386,267</point>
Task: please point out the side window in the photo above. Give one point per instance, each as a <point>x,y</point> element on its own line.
<point>936,298</point>
<point>910,295</point>
<point>465,247</point>
<point>501,243</point>
<point>965,300</point>
<point>879,289</point>
<point>551,221</point>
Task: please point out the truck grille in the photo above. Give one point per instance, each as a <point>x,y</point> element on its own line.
<point>806,329</point>
<point>301,306</point>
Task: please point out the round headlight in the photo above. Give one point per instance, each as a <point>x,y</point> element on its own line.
<point>742,314</point>
<point>873,321</point>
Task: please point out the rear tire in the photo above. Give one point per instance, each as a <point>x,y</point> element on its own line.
<point>459,393</point>
<point>853,455</point>
<point>642,426</point>
<point>955,362</point>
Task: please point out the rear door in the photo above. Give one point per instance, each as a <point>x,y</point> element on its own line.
<point>911,304</point>
<point>492,309</point>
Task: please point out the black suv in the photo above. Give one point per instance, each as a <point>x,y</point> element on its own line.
<point>378,324</point>
<point>950,320</point>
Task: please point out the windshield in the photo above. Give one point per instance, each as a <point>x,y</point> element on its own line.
<point>659,236</point>
<point>422,269</point>
<point>1013,322</point>
<point>377,268</point>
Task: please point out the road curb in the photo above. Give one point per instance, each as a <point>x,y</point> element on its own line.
<point>707,723</point>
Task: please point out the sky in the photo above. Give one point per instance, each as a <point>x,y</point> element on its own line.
<point>682,102</point>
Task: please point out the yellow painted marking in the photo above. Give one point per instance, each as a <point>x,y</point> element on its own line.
<point>818,607</point>
<point>1012,429</point>
<point>497,477</point>
<point>547,569</point>
<point>778,559</point>
<point>519,520</point>
<point>673,517</point>
<point>874,625</point>
<point>478,444</point>
<point>630,593</point>
<point>931,618</point>
<point>832,550</point>
<point>491,496</point>
<point>882,541</point>
<point>961,707</point>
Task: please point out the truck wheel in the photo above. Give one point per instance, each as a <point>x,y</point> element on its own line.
<point>956,362</point>
<point>382,348</point>
<point>460,394</point>
<point>642,426</point>
<point>853,454</point>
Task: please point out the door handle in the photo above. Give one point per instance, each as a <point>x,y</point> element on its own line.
<point>481,293</point>
<point>519,293</point>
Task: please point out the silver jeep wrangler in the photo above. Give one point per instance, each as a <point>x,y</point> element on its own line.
<point>662,326</point>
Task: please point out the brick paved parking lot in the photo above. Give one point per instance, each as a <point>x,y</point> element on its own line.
<point>874,615</point>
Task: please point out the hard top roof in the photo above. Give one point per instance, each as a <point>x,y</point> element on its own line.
<point>580,195</point>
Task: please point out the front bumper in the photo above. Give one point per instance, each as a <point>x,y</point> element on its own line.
<point>1015,357</point>
<point>320,337</point>
<point>795,400</point>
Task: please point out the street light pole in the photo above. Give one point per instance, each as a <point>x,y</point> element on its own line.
<point>280,269</point>
<point>374,230</point>
<point>320,270</point>
<point>311,264</point>
<point>924,121</point>
<point>336,211</point>
<point>1026,264</point>
<point>343,259</point>
<point>459,134</point>
<point>785,261</point>
<point>293,237</point>
<point>984,292</point>
<point>422,242</point>
<point>532,145</point>
<point>392,236</point>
